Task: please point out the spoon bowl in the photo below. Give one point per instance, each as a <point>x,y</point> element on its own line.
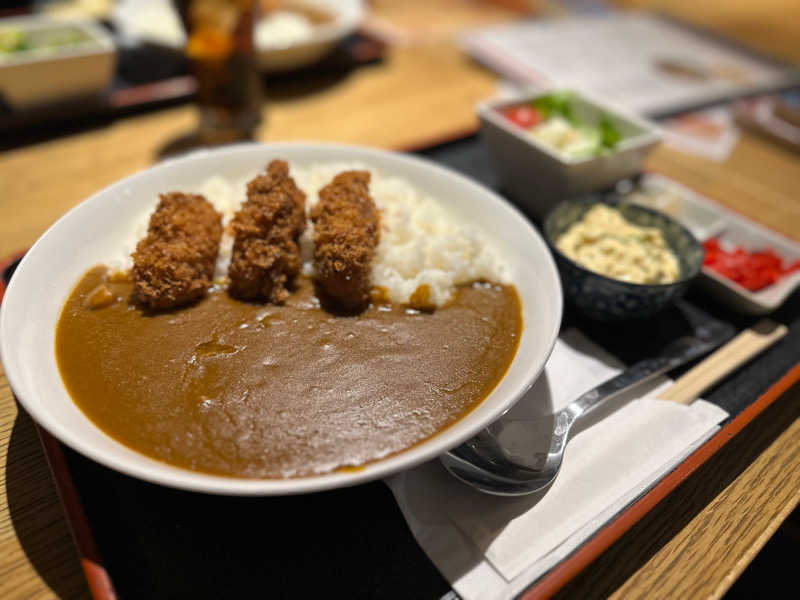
<point>494,463</point>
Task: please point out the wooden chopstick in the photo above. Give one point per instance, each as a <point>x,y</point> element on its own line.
<point>724,361</point>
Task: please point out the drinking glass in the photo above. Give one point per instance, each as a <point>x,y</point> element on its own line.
<point>220,49</point>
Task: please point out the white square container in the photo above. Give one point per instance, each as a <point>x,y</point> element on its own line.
<point>706,219</point>
<point>537,177</point>
<point>752,237</point>
<point>41,76</point>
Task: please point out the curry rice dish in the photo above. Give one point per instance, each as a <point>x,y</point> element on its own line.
<point>280,385</point>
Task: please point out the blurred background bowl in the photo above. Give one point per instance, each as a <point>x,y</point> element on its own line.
<point>603,298</point>
<point>289,35</point>
<point>64,60</point>
<point>345,17</point>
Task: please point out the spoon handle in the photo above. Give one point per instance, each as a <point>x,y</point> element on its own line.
<point>676,354</point>
<point>725,360</point>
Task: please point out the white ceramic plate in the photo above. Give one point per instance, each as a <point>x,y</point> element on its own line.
<point>93,232</point>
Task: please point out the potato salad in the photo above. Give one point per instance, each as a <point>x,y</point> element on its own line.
<point>603,241</point>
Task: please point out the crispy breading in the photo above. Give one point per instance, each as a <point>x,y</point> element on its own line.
<point>174,263</point>
<point>346,232</point>
<point>266,255</point>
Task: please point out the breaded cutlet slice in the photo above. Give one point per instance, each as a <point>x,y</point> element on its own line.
<point>266,254</point>
<point>174,263</point>
<point>346,232</point>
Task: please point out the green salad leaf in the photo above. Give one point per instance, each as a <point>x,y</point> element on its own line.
<point>558,104</point>
<point>603,136</point>
<point>609,134</point>
<point>12,40</point>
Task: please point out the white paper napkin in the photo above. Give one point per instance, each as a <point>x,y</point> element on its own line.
<point>491,547</point>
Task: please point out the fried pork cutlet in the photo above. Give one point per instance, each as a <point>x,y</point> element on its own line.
<point>266,255</point>
<point>346,232</point>
<point>174,263</point>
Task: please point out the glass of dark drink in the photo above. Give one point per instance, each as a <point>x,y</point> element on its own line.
<point>220,49</point>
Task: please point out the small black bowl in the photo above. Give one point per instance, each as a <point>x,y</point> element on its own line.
<point>603,298</point>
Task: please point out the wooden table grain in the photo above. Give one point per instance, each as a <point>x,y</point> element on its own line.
<point>694,544</point>
<point>700,539</point>
<point>37,558</point>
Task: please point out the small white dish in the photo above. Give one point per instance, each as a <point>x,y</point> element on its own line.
<point>93,232</point>
<point>346,18</point>
<point>706,219</point>
<point>752,237</point>
<point>700,216</point>
<point>41,76</point>
<point>537,176</point>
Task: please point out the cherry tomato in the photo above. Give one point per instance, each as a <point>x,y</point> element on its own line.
<point>525,116</point>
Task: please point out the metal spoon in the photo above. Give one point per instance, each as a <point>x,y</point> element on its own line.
<point>492,464</point>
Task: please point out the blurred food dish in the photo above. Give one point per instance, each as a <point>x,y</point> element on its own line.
<point>149,21</point>
<point>44,60</point>
<point>297,33</point>
<point>15,41</point>
<point>290,34</point>
<point>76,9</point>
<point>572,144</point>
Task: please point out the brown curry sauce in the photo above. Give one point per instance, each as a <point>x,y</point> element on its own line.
<point>254,390</point>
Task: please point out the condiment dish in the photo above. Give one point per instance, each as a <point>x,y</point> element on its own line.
<point>38,76</point>
<point>92,233</point>
<point>600,297</point>
<point>708,219</point>
<point>739,233</point>
<point>536,176</point>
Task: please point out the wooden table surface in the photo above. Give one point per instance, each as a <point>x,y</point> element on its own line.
<point>697,542</point>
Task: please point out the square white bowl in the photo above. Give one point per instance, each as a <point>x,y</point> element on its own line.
<point>35,77</point>
<point>537,176</point>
